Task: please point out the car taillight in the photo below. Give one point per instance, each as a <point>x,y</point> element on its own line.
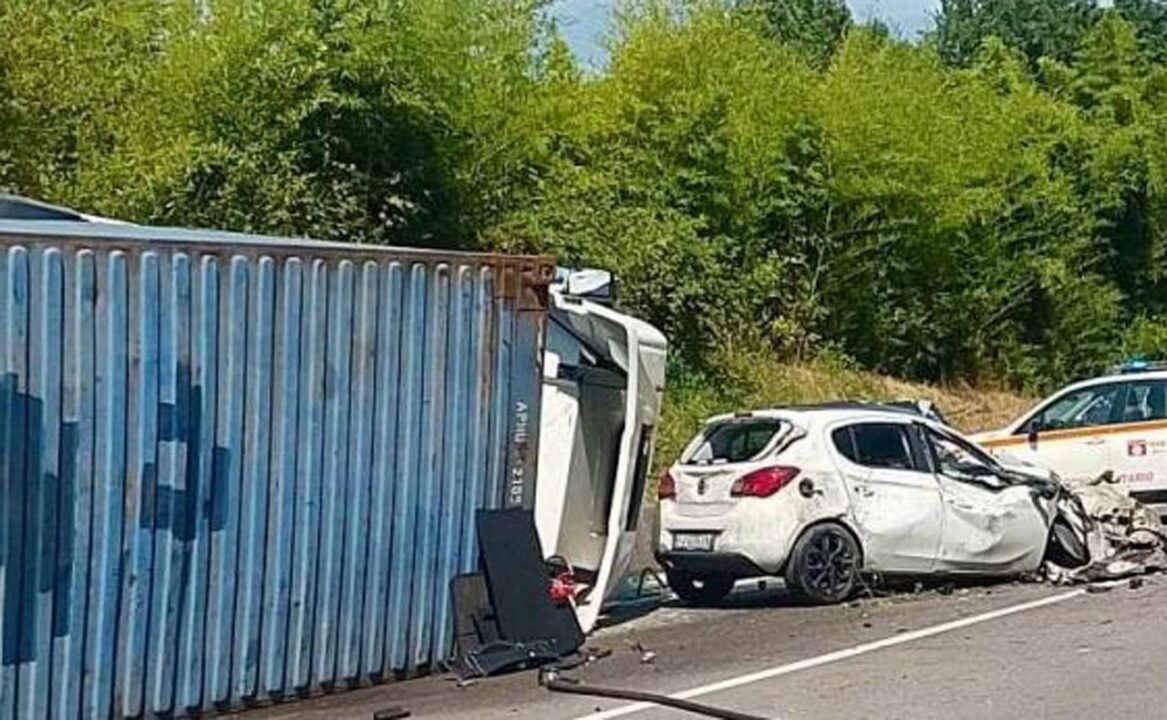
<point>667,488</point>
<point>764,482</point>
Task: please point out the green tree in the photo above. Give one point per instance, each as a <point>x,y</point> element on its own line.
<point>814,27</point>
<point>1038,28</point>
<point>767,179</point>
<point>965,241</point>
<point>1149,18</point>
<point>678,177</point>
<point>378,121</point>
<point>1121,172</point>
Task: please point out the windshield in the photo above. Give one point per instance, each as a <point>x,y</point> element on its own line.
<point>1085,407</point>
<point>957,458</point>
<point>735,440</point>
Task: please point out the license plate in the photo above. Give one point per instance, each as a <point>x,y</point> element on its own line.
<point>702,542</point>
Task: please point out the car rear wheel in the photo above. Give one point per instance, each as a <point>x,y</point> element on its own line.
<point>699,589</point>
<point>824,566</point>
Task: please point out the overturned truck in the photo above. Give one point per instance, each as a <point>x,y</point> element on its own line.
<point>239,469</point>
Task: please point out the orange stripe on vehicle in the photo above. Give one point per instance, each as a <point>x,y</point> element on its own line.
<point>1072,433</point>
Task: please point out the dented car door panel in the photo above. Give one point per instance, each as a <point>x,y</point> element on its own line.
<point>900,517</point>
<point>993,524</point>
<point>990,532</point>
<point>897,510</point>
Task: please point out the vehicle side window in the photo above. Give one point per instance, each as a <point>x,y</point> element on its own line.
<point>921,454</point>
<point>960,461</point>
<point>1086,407</point>
<point>845,443</point>
<point>1145,400</point>
<point>876,445</point>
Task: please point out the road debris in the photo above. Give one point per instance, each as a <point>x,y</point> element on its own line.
<point>557,682</point>
<point>1119,537</point>
<point>647,657</point>
<point>507,618</point>
<point>598,654</point>
<point>1101,587</point>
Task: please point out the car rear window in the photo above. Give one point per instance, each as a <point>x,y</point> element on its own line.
<point>735,441</point>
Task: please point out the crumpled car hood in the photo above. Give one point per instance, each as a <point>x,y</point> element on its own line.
<point>1122,537</point>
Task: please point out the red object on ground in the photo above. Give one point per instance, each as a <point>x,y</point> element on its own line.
<point>563,588</point>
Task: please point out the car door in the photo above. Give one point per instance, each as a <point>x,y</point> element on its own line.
<point>992,525</point>
<point>1140,449</point>
<point>1071,433</point>
<point>895,500</point>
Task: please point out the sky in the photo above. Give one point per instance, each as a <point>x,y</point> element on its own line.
<point>583,21</point>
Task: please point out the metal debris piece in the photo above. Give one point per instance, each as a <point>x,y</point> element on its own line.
<point>1123,538</point>
<point>1101,587</point>
<point>598,654</point>
<point>556,684</point>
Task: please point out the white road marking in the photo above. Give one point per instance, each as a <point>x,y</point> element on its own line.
<point>838,655</point>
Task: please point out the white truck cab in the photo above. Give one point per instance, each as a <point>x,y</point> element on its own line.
<point>1117,422</point>
<point>603,384</point>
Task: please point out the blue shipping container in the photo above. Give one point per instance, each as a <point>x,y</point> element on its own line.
<point>235,469</point>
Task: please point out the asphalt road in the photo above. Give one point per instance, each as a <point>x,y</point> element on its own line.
<point>1002,651</point>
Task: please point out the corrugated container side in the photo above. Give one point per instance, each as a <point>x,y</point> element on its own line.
<point>232,474</point>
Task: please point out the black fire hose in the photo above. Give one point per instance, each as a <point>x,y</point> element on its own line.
<point>555,684</point>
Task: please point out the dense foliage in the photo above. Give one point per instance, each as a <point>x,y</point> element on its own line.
<point>764,175</point>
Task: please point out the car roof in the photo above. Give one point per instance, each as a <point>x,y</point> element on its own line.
<point>1132,376</point>
<point>827,411</point>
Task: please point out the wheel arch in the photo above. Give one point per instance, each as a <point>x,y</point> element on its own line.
<point>838,521</point>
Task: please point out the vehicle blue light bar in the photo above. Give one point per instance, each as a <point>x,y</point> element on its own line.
<point>1137,365</point>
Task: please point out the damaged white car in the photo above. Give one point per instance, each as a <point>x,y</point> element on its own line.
<point>823,495</point>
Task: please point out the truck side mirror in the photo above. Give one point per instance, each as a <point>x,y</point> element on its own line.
<point>595,285</point>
